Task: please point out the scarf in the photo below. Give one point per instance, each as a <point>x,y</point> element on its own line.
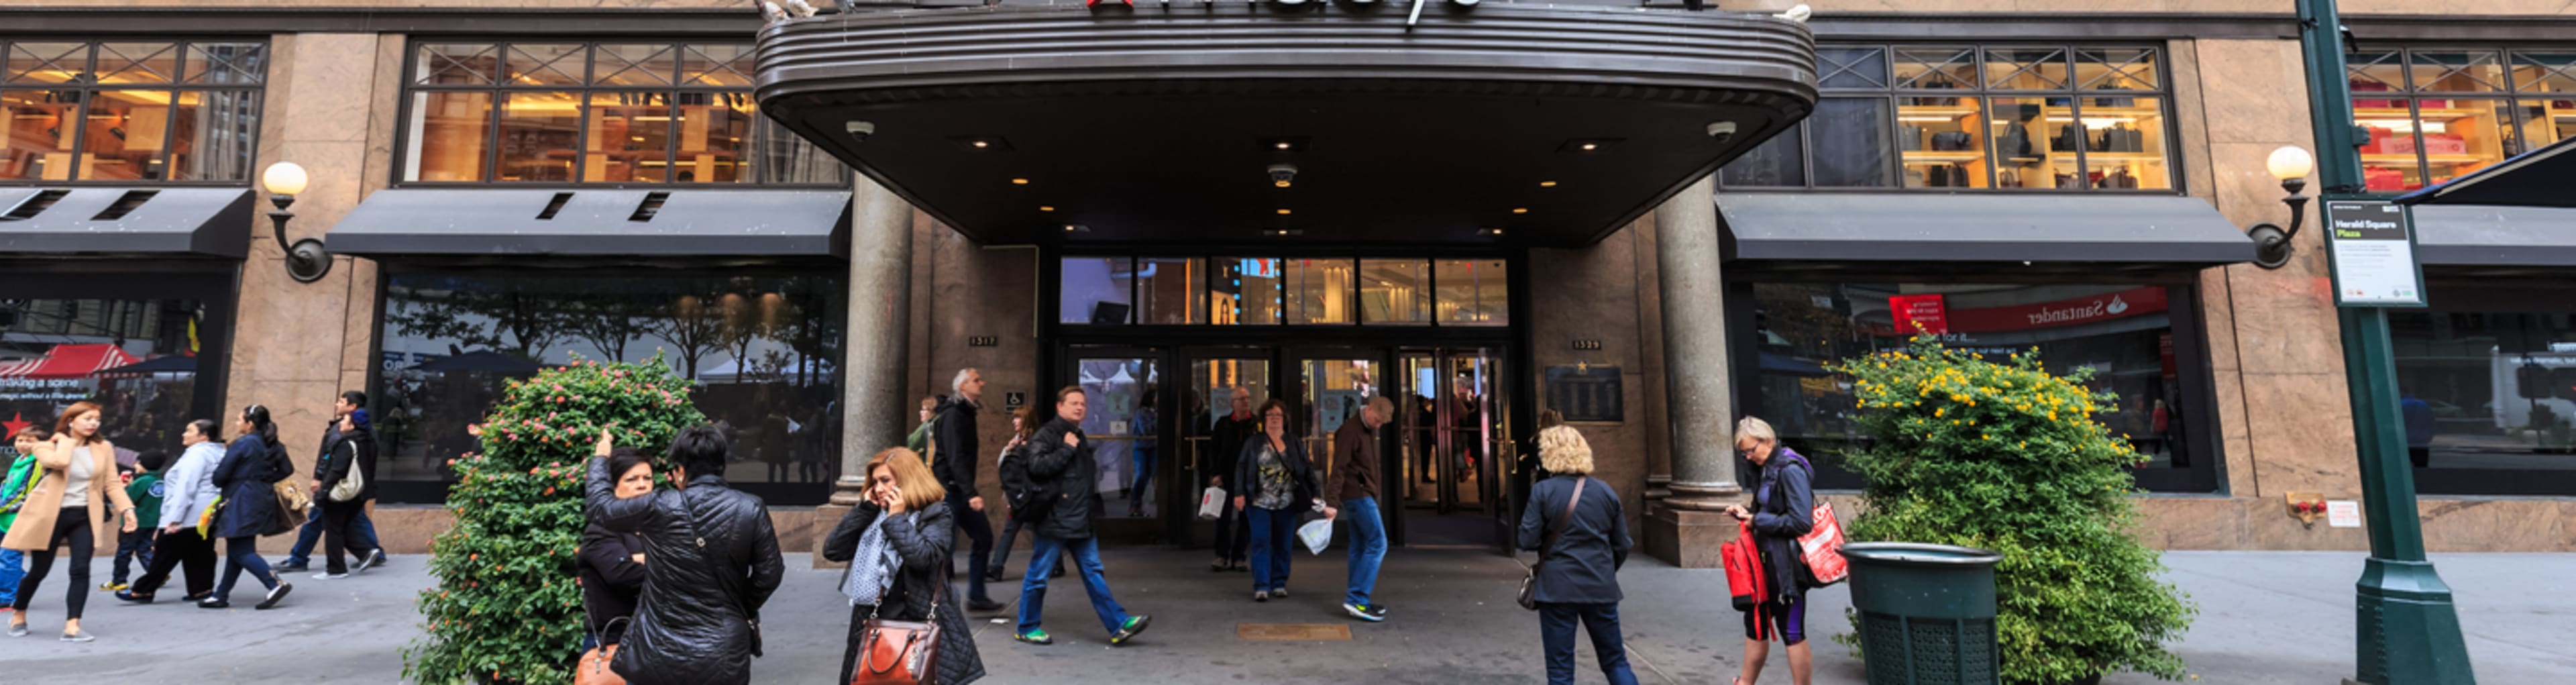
<point>873,565</point>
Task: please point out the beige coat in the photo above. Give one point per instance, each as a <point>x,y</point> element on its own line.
<point>34,530</point>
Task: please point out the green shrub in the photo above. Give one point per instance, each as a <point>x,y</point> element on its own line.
<point>507,607</point>
<point>2007,457</point>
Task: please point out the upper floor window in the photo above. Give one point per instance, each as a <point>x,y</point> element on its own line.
<point>607,112</point>
<point>2437,113</point>
<point>1976,116</point>
<point>130,111</point>
<point>1232,291</point>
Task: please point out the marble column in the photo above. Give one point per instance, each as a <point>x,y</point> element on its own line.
<point>1696,387</point>
<point>878,329</point>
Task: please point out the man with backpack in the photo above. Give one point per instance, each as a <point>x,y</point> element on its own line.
<point>362,532</point>
<point>953,451</point>
<point>1056,492</point>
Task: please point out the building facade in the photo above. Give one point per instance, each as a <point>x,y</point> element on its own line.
<point>505,185</point>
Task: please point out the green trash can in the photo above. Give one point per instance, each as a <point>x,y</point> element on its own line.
<point>1927,612</point>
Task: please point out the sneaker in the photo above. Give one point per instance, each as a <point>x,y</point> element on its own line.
<point>284,567</point>
<point>130,596</point>
<point>983,605</point>
<point>19,630</point>
<point>212,603</point>
<point>1366,612</point>
<point>274,594</point>
<point>1135,624</point>
<point>993,576</point>
<point>327,575</point>
<point>379,560</point>
<point>78,637</point>
<point>373,559</point>
<point>1035,637</point>
<point>1281,593</point>
<point>1261,595</point>
<point>112,586</point>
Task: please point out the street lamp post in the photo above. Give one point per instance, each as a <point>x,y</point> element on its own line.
<point>2407,629</point>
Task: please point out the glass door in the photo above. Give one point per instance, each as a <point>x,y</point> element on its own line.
<point>1457,447</point>
<point>1125,426</point>
<point>1227,385</point>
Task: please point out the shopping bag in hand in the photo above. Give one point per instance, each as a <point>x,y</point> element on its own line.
<point>1211,503</point>
<point>1316,534</point>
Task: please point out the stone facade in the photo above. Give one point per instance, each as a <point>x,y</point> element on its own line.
<point>333,99</point>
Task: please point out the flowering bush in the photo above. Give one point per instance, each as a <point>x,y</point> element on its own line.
<point>507,608</point>
<point>2007,457</point>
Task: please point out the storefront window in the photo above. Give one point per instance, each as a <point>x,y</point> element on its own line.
<point>2434,114</point>
<point>2489,397</point>
<point>1474,292</point>
<point>628,112</point>
<point>1395,291</point>
<point>1319,291</point>
<point>1243,290</point>
<point>135,358</point>
<point>1096,290</point>
<point>129,112</point>
<point>1952,117</point>
<point>764,350</point>
<point>2124,333</point>
<point>1169,290</point>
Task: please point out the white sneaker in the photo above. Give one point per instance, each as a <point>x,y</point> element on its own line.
<point>373,559</point>
<point>327,575</point>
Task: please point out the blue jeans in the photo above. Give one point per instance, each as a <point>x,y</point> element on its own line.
<point>362,535</point>
<point>242,554</point>
<point>1143,460</point>
<point>1086,554</point>
<point>1274,535</point>
<point>13,568</point>
<point>1556,633</point>
<point>1368,547</point>
<point>131,547</point>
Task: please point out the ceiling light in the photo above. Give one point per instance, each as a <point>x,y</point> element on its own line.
<point>1283,212</point>
<point>1283,145</point>
<point>1076,228</point>
<point>1489,232</point>
<point>1019,181</point>
<point>1520,210</point>
<point>1587,145</point>
<point>981,144</point>
<point>1547,184</point>
<point>1046,208</point>
<point>1283,232</point>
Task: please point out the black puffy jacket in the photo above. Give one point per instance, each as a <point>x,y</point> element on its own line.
<point>924,546</point>
<point>1072,472</point>
<point>714,563</point>
<point>953,441</point>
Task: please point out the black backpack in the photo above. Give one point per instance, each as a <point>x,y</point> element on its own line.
<point>280,466</point>
<point>1030,502</point>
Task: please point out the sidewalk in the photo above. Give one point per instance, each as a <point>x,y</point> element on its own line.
<point>2267,617</point>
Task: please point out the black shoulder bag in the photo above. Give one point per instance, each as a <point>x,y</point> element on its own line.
<point>1529,582</point>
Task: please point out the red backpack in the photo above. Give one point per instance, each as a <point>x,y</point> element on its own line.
<point>1744,577</point>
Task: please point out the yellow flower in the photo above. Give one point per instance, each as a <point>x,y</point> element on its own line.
<point>1943,411</point>
<point>1984,436</point>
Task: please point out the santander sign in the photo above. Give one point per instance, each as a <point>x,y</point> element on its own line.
<point>2082,310</point>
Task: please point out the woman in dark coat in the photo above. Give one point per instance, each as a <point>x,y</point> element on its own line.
<point>611,563</point>
<point>897,544</point>
<point>1783,510</point>
<point>250,505</point>
<point>1276,483</point>
<point>1577,578</point>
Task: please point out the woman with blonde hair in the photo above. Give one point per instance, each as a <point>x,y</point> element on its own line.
<point>897,544</point>
<point>1581,534</point>
<point>1783,506</point>
<point>75,498</point>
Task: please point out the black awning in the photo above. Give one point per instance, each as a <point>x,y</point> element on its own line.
<point>202,222</point>
<point>604,222</point>
<point>2485,235</point>
<point>2170,230</point>
<point>2539,178</point>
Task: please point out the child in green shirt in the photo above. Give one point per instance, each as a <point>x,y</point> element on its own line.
<point>145,490</point>
<point>13,493</point>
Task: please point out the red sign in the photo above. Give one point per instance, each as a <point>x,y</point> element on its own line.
<point>2083,310</point>
<point>1917,314</point>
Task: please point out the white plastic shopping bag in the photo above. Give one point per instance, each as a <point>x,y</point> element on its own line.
<point>1211,503</point>
<point>1316,534</point>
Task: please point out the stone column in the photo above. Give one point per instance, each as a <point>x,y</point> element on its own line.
<point>1685,528</point>
<point>1696,389</point>
<point>878,329</point>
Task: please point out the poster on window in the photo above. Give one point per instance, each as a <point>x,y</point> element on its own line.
<point>1919,314</point>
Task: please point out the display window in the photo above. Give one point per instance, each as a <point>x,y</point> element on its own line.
<point>2486,380</point>
<point>2002,117</point>
<point>2138,340</point>
<point>149,349</point>
<point>1305,291</point>
<point>762,346</point>
<point>626,112</point>
<point>130,112</point>
<point>2434,114</point>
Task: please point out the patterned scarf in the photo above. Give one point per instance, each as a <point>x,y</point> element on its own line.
<point>873,565</point>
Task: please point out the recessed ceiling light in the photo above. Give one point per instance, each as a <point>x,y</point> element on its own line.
<point>1587,144</point>
<point>1076,228</point>
<point>1587,147</point>
<point>981,144</point>
<point>1283,212</point>
<point>1547,184</point>
<point>1489,232</point>
<point>1046,208</point>
<point>1520,210</point>
<point>1019,181</point>
<point>1283,232</point>
<point>1283,145</point>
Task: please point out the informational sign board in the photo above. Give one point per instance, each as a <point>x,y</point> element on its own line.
<point>2372,245</point>
<point>2343,514</point>
<point>1586,393</point>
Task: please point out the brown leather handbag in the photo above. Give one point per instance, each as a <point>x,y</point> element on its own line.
<point>593,669</point>
<point>899,652</point>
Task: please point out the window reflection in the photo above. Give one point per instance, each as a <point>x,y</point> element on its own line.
<point>1244,290</point>
<point>1170,290</point>
<point>762,349</point>
<point>1395,291</point>
<point>448,134</point>
<point>630,138</point>
<point>136,358</point>
<point>1319,291</point>
<point>2484,389</point>
<point>1096,290</point>
<point>539,134</point>
<point>129,111</point>
<point>1474,292</point>
<point>1851,143</point>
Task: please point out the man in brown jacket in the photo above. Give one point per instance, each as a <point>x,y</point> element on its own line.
<point>1354,484</point>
